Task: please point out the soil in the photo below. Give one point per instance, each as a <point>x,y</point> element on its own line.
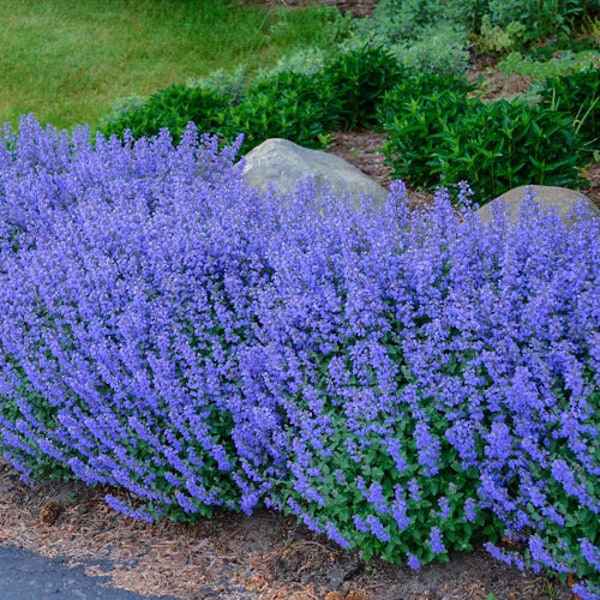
<point>266,556</point>
<point>263,557</point>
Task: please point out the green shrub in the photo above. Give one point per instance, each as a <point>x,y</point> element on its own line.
<point>494,26</point>
<point>541,18</point>
<point>425,35</point>
<point>359,78</point>
<point>400,21</point>
<point>441,48</point>
<point>415,125</point>
<point>295,106</point>
<point>494,39</point>
<point>578,95</point>
<point>173,108</point>
<point>444,138</point>
<point>444,99</point>
<point>305,105</point>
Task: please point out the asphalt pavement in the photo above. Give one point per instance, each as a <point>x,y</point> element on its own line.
<point>28,576</point>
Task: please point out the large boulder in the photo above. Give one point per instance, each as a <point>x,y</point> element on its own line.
<point>283,164</point>
<point>561,199</point>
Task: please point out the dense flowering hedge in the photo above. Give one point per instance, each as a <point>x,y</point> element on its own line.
<point>407,383</point>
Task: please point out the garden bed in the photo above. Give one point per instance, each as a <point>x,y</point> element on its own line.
<point>268,555</point>
<point>263,557</point>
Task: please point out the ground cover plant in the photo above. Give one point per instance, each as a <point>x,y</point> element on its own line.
<point>406,382</point>
<point>274,381</point>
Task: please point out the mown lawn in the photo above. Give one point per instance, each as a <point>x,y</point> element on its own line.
<point>67,61</point>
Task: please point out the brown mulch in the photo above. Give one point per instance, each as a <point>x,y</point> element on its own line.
<point>263,557</point>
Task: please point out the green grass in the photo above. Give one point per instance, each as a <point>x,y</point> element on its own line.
<point>67,61</point>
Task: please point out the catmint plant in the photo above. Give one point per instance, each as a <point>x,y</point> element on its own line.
<point>405,381</point>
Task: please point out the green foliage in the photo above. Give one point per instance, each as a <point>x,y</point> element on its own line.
<point>439,49</point>
<point>494,39</point>
<point>173,108</point>
<point>421,28</point>
<point>578,94</point>
<point>400,21</point>
<point>539,70</point>
<point>444,137</point>
<point>360,78</point>
<point>423,105</point>
<point>540,18</point>
<point>295,106</point>
<point>422,36</point>
<point>414,85</point>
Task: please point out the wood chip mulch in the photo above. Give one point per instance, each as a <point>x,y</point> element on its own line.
<point>263,557</point>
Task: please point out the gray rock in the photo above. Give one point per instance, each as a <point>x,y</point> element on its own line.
<point>283,164</point>
<point>562,199</point>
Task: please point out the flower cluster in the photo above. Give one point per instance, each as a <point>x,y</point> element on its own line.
<point>406,382</point>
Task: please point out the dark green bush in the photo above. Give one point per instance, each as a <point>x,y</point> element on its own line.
<point>415,127</point>
<point>296,106</point>
<point>416,85</point>
<point>359,79</point>
<point>445,137</point>
<point>578,95</point>
<point>423,105</point>
<point>304,107</point>
<point>173,108</point>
